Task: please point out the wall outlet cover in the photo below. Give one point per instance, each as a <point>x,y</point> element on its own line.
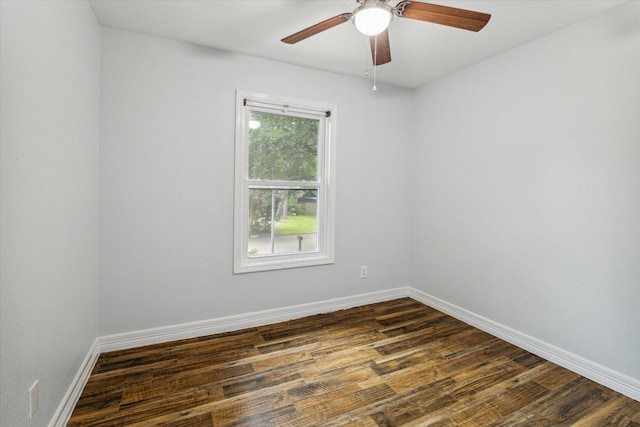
<point>33,398</point>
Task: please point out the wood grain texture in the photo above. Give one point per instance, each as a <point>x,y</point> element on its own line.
<point>317,28</point>
<point>380,48</point>
<point>444,15</point>
<point>397,363</point>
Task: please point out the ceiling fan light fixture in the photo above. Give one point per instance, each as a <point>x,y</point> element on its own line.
<point>372,17</point>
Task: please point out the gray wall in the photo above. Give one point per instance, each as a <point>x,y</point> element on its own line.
<point>49,81</point>
<point>527,189</point>
<point>510,189</point>
<point>166,184</point>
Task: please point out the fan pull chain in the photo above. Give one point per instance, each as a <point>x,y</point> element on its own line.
<point>366,62</point>
<point>375,61</point>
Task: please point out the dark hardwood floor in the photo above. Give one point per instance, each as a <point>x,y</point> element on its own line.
<point>388,364</point>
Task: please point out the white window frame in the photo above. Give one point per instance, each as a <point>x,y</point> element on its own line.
<point>243,263</point>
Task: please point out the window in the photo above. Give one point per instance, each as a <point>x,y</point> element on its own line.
<point>284,183</point>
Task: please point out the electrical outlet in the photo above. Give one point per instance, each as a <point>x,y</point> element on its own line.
<point>363,271</point>
<point>33,398</point>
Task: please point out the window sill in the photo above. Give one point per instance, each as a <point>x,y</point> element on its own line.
<point>268,263</point>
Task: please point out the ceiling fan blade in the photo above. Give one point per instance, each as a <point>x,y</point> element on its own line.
<point>444,15</point>
<point>380,49</point>
<point>317,28</point>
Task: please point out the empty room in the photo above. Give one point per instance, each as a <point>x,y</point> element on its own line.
<point>266,213</point>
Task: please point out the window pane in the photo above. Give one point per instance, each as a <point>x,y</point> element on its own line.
<point>283,147</point>
<point>282,221</point>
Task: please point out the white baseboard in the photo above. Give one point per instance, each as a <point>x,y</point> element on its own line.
<point>240,321</point>
<point>64,411</point>
<point>621,383</point>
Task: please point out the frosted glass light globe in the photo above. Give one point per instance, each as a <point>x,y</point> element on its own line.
<point>372,20</point>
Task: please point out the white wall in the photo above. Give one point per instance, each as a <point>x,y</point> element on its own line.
<point>166,184</point>
<point>527,189</point>
<point>50,73</point>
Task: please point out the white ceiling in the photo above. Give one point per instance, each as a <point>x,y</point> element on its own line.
<point>420,52</point>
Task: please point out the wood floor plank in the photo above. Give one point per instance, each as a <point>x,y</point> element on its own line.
<point>556,378</point>
<point>263,380</point>
<point>394,363</point>
<point>413,404</point>
<point>608,414</point>
<point>245,410</point>
<point>341,378</point>
<point>201,420</point>
<point>569,404</point>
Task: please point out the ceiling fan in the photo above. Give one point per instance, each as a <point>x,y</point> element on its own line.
<point>372,18</point>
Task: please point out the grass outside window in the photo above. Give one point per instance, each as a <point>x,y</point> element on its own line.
<point>297,224</point>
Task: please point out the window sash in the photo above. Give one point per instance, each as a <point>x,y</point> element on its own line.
<point>321,116</point>
<point>281,243</point>
<point>284,107</point>
<point>282,185</point>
